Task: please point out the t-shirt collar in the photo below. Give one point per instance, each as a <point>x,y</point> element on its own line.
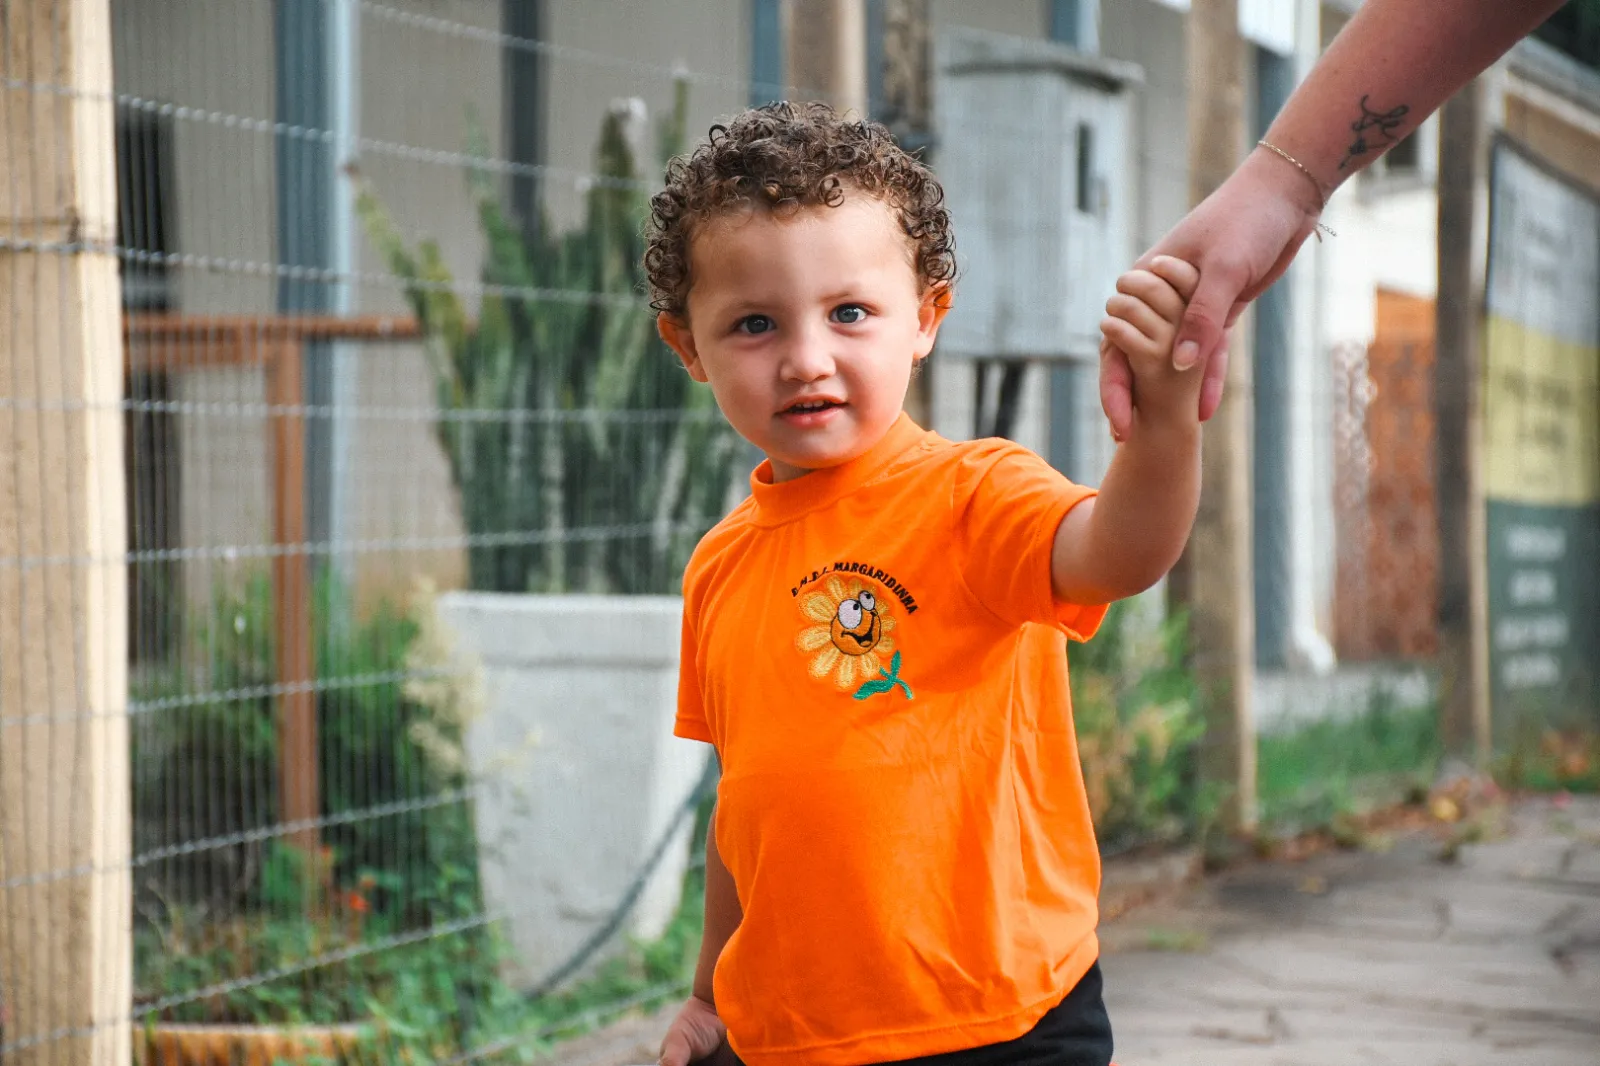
<point>782,501</point>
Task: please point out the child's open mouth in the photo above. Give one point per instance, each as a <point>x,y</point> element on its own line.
<point>810,412</point>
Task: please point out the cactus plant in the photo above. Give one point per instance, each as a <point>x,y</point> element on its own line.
<point>585,459</point>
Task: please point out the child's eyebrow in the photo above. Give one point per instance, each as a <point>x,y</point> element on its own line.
<point>744,306</point>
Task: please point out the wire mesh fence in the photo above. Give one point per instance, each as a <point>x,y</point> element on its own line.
<point>384,330</point>
<point>403,474</point>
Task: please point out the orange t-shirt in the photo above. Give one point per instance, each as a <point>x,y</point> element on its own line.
<point>877,655</point>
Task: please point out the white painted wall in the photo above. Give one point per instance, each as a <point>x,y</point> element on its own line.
<point>1151,35</point>
<point>578,776</point>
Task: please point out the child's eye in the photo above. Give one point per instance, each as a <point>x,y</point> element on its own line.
<point>754,325</point>
<point>849,314</point>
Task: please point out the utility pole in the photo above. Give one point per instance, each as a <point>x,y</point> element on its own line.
<point>1458,412</point>
<point>906,108</point>
<point>907,72</point>
<point>1214,581</point>
<point>66,927</point>
<point>828,52</point>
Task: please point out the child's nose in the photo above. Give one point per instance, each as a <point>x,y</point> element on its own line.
<point>808,357</point>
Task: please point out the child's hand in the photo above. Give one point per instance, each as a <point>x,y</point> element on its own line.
<point>695,1034</point>
<point>1142,322</point>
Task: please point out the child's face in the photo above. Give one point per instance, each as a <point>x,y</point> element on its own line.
<point>807,328</point>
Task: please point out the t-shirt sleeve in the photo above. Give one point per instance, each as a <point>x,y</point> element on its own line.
<point>691,719</point>
<point>1009,505</point>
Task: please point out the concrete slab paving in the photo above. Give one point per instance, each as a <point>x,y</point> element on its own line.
<point>1376,958</point>
<point>1379,958</point>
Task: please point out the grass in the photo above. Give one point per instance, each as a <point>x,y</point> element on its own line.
<point>1311,775</point>
<point>1183,941</point>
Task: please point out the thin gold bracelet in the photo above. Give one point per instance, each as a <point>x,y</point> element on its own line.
<point>1322,197</point>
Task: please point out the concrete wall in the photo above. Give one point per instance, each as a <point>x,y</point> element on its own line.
<point>215,57</point>
<point>579,779</point>
<point>421,88</point>
<point>1020,18</point>
<point>612,49</point>
<point>419,83</point>
<point>1152,35</point>
<point>418,88</point>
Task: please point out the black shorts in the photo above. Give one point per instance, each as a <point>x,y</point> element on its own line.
<point>1075,1032</point>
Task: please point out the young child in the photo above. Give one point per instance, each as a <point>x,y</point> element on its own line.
<point>901,862</point>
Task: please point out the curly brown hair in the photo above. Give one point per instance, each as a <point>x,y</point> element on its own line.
<point>783,157</point>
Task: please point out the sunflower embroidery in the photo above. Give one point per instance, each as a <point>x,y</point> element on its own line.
<point>849,638</point>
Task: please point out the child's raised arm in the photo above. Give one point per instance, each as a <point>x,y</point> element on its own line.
<point>1125,539</point>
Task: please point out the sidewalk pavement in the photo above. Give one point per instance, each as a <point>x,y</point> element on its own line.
<point>1355,957</point>
<point>1376,958</point>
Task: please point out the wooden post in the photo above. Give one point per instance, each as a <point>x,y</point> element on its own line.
<point>1458,413</point>
<point>907,107</point>
<point>299,799</point>
<point>65,896</point>
<point>828,52</point>
<point>1214,580</point>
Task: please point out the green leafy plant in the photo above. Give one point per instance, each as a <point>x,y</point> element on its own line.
<point>1546,759</point>
<point>585,459</point>
<point>326,956</point>
<point>384,926</point>
<point>1137,710</point>
<point>1313,775</point>
<point>426,995</point>
<point>204,750</point>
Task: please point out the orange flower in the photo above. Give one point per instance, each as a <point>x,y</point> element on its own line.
<point>357,902</point>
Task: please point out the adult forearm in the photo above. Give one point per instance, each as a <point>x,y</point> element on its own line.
<point>723,915</point>
<point>1390,68</point>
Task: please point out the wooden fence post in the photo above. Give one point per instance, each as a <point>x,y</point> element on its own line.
<point>65,894</point>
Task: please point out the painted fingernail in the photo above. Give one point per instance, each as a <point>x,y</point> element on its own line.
<point>1187,355</point>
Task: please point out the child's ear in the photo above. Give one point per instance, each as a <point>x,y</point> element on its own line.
<point>936,303</point>
<point>675,331</point>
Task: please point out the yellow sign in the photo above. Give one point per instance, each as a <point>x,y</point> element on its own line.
<point>1542,417</point>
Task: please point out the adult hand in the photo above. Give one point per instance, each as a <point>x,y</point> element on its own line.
<point>1242,238</point>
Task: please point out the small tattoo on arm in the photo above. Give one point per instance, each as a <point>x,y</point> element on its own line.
<point>1384,122</point>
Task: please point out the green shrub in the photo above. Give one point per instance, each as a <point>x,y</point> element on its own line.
<point>585,458</point>
<point>1138,717</point>
<point>1309,776</point>
<point>204,751</point>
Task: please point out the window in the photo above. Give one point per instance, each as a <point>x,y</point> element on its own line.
<point>144,209</point>
<point>1086,182</point>
<point>146,235</point>
<point>1405,156</point>
<point>1575,30</point>
<point>766,52</point>
<point>1409,163</point>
